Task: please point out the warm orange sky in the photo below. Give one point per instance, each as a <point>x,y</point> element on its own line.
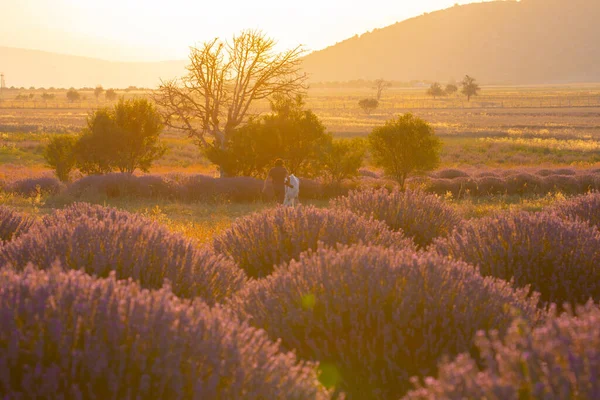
<point>164,29</point>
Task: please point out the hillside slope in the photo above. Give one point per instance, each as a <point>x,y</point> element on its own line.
<point>527,42</point>
<point>43,69</point>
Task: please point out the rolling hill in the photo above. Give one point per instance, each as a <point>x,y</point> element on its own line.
<point>501,42</point>
<point>526,42</point>
<point>43,69</point>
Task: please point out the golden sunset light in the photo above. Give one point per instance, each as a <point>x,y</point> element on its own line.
<point>310,200</point>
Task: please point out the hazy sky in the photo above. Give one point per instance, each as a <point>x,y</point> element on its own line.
<point>147,30</point>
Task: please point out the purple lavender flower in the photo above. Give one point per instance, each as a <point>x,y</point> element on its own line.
<point>376,316</point>
<point>69,335</point>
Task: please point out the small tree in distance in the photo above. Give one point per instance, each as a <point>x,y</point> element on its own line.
<point>368,105</point>
<point>436,90</point>
<point>380,86</point>
<point>470,87</point>
<point>60,155</point>
<point>124,138</point>
<point>73,95</point>
<point>98,91</point>
<point>342,158</point>
<point>404,145</point>
<point>451,88</point>
<point>111,95</point>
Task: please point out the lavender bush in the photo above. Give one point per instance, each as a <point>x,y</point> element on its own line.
<point>13,224</point>
<point>451,174</point>
<point>559,360</point>
<point>31,186</point>
<point>522,181</point>
<point>585,208</point>
<point>100,240</point>
<point>419,215</point>
<point>260,241</point>
<point>205,188</point>
<point>69,335</point>
<point>557,257</point>
<point>121,185</point>
<point>376,316</point>
<point>188,188</point>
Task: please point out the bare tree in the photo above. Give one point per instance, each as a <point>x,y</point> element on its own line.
<point>380,86</point>
<point>223,81</point>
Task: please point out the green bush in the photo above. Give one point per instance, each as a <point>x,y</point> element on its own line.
<point>290,132</point>
<point>124,138</point>
<point>404,145</point>
<point>60,155</point>
<point>341,159</point>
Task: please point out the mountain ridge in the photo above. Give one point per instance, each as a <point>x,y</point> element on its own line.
<point>499,42</point>
<point>21,68</point>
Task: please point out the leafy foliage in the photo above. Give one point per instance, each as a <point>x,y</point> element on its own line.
<point>451,88</point>
<point>123,138</point>
<point>436,90</point>
<point>73,95</point>
<point>259,242</point>
<point>68,335</point>
<point>60,155</point>
<point>290,132</point>
<point>404,145</point>
<point>470,87</point>
<point>341,159</point>
<point>368,105</point>
<point>378,316</point>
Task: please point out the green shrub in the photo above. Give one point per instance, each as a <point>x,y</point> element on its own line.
<point>60,155</point>
<point>404,145</point>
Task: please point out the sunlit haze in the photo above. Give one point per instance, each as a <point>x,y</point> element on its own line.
<point>151,30</point>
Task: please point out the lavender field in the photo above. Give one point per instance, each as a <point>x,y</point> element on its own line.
<point>378,294</point>
<point>480,280</point>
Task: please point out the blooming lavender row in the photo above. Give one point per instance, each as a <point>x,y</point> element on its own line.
<point>585,208</point>
<point>33,186</point>
<point>69,335</point>
<point>374,317</point>
<point>555,361</point>
<point>186,188</point>
<point>518,184</point>
<point>558,258</point>
<point>100,240</point>
<point>263,240</point>
<point>13,224</point>
<point>419,215</point>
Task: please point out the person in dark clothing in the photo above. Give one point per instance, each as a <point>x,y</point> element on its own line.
<point>278,175</point>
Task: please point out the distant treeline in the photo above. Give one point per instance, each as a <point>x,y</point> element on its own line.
<point>363,83</point>
<point>83,89</point>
